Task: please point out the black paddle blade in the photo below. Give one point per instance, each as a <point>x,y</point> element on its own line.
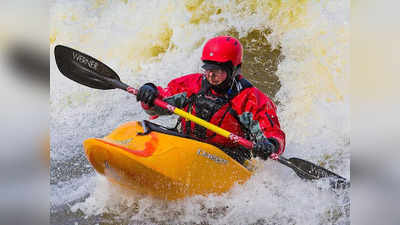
<point>84,69</point>
<point>308,170</point>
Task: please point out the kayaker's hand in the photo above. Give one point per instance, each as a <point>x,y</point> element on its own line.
<point>264,148</point>
<point>147,93</point>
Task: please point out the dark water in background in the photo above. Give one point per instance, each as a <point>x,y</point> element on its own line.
<point>260,62</point>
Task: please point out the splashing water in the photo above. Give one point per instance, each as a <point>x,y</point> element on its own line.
<point>297,52</point>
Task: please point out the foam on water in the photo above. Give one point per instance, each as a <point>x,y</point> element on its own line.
<point>265,200</point>
<point>155,41</point>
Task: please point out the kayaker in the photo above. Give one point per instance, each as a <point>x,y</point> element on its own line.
<point>222,96</point>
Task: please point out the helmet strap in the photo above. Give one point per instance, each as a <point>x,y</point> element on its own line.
<point>236,71</point>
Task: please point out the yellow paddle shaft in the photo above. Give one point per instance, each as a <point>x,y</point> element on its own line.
<point>246,143</point>
<point>202,122</point>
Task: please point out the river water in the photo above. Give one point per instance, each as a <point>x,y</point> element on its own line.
<point>297,52</point>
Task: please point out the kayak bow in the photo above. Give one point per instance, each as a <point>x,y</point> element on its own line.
<point>157,162</point>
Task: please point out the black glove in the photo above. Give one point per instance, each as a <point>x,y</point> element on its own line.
<point>264,148</point>
<point>147,93</point>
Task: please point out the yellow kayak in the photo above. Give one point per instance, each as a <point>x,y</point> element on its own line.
<point>162,163</point>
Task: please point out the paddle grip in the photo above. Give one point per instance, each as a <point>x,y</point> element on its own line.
<point>157,102</point>
<point>244,142</point>
<point>164,105</point>
<point>132,90</point>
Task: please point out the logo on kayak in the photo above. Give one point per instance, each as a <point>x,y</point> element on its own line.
<point>212,157</point>
<point>84,61</point>
<point>124,142</point>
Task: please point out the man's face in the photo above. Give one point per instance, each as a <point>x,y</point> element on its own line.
<point>215,77</point>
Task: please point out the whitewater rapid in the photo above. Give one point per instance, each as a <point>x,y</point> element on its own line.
<point>295,51</point>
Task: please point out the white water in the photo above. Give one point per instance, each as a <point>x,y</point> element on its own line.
<point>155,41</point>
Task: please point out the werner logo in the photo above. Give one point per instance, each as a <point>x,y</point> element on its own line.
<point>84,61</point>
<point>212,157</point>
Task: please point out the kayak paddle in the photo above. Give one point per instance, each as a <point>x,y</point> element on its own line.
<point>90,72</point>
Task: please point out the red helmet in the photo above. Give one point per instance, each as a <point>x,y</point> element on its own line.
<point>223,49</point>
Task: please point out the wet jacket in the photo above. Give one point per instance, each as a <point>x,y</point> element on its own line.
<point>244,111</point>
